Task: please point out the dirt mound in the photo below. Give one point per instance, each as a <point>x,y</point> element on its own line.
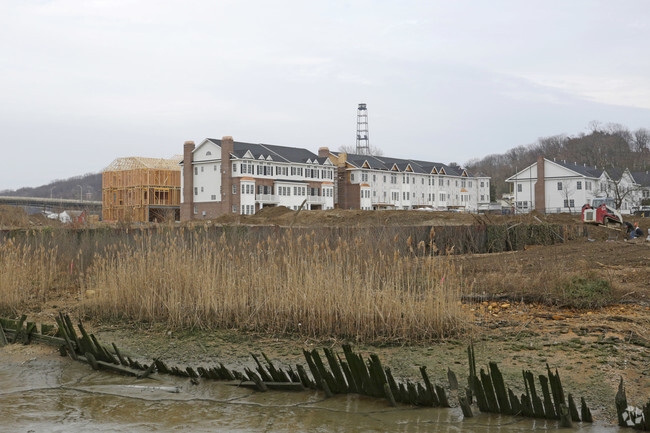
<point>12,217</point>
<point>273,212</point>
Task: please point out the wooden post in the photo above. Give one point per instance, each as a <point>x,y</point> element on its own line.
<point>335,367</point>
<point>549,408</point>
<point>500,389</point>
<point>326,388</point>
<point>312,367</point>
<point>19,328</point>
<point>92,361</point>
<point>451,377</point>
<point>573,410</point>
<point>585,412</point>
<point>621,403</point>
<point>389,395</point>
<point>565,417</point>
<point>488,389</point>
<point>121,358</point>
<point>306,382</point>
<point>429,386</point>
<point>465,406</point>
<point>3,337</point>
<point>148,371</point>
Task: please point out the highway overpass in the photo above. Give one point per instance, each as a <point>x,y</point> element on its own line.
<point>52,204</point>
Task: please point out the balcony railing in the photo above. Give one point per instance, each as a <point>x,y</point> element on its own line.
<point>266,198</point>
<point>315,199</point>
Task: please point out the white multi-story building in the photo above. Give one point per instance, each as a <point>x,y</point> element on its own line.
<point>225,176</point>
<point>378,182</point>
<point>557,186</point>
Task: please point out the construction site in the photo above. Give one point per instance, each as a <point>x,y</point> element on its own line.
<point>137,189</point>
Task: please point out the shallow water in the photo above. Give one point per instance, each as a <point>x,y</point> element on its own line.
<point>53,394</point>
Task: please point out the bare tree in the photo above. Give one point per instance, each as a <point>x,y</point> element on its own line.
<point>594,126</point>
<point>641,140</point>
<point>620,190</point>
<point>567,191</point>
<point>374,150</point>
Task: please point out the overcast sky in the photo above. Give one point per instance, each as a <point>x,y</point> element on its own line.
<point>85,82</point>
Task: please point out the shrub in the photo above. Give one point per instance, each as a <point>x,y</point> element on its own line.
<point>584,292</point>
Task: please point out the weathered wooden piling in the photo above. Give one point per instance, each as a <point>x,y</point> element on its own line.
<point>584,411</point>
<point>432,398</point>
<point>453,380</point>
<point>573,410</point>
<point>549,408</point>
<point>389,395</point>
<point>565,417</point>
<point>500,389</point>
<point>621,403</point>
<point>490,395</point>
<point>3,337</point>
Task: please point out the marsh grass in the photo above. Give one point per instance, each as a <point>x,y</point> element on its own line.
<point>27,274</point>
<point>293,282</point>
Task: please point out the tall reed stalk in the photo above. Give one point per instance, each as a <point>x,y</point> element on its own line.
<point>290,283</point>
<point>27,274</point>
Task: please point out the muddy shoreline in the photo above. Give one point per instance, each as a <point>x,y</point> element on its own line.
<point>590,351</point>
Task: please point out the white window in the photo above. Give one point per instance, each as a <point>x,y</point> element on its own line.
<point>234,189</point>
<point>196,210</point>
<point>201,169</point>
<point>213,197</point>
<point>215,167</point>
<point>234,208</point>
<point>196,170</point>
<point>351,177</point>
<point>519,187</point>
<point>579,185</point>
<point>234,168</point>
<point>196,191</point>
<point>201,189</point>
<point>559,187</point>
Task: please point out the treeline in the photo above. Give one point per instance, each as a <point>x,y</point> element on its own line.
<point>610,146</point>
<point>89,186</point>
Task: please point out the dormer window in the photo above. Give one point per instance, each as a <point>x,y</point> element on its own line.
<point>208,153</point>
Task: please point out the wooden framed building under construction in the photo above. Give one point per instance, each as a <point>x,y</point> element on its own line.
<point>136,189</point>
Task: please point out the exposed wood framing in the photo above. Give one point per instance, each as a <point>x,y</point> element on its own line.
<point>141,190</point>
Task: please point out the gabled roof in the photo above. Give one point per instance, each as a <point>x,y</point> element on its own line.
<point>138,162</point>
<point>277,153</point>
<point>388,164</point>
<point>585,170</point>
<point>642,178</point>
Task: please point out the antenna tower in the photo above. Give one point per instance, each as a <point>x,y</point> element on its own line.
<point>363,140</point>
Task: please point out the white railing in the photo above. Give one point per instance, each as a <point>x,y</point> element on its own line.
<point>315,199</point>
<point>266,198</point>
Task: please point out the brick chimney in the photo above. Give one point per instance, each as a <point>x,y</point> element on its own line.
<point>227,197</point>
<point>540,187</point>
<point>187,207</point>
<point>323,152</point>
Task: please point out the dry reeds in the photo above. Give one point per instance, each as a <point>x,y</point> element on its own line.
<point>26,274</point>
<point>293,282</point>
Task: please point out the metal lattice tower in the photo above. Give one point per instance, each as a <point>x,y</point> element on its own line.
<point>363,139</point>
